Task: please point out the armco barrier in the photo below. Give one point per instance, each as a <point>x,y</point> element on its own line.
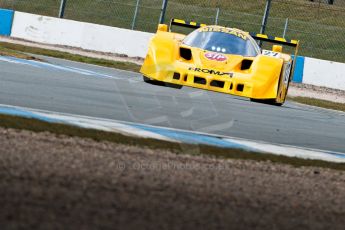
<point>79,34</point>
<point>324,73</point>
<point>6,20</point>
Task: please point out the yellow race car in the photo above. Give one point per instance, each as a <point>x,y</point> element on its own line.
<point>220,59</point>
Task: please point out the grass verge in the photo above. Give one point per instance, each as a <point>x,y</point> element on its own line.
<point>61,129</point>
<point>319,103</point>
<point>13,53</point>
<point>20,50</point>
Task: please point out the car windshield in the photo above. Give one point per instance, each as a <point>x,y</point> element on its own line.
<point>222,40</point>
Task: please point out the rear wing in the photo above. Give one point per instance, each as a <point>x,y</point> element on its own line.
<point>276,40</point>
<point>258,37</point>
<point>186,24</point>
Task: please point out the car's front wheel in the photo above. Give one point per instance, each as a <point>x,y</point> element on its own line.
<point>161,83</point>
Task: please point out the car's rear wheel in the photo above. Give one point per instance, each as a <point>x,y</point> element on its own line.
<point>161,83</point>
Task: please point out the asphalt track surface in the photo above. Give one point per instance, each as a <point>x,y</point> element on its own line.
<point>83,89</point>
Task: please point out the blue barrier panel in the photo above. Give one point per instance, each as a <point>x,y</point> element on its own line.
<point>6,20</point>
<point>299,69</point>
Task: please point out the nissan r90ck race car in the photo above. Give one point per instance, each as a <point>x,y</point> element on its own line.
<point>220,59</point>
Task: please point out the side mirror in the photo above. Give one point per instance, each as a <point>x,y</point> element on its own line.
<point>162,27</point>
<point>278,49</point>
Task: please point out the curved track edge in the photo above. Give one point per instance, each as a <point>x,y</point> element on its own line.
<point>173,135</point>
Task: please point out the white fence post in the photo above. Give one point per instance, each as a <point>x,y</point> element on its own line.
<point>62,8</point>
<point>163,11</point>
<point>286,27</point>
<point>135,14</point>
<point>217,16</point>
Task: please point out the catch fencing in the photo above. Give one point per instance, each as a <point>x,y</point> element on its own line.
<point>319,25</point>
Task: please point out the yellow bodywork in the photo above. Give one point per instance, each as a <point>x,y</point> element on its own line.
<point>265,79</point>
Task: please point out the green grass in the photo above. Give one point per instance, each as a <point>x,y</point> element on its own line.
<point>319,103</point>
<point>13,53</point>
<point>178,148</point>
<point>12,50</point>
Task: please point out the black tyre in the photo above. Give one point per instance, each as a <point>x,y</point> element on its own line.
<point>161,83</point>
